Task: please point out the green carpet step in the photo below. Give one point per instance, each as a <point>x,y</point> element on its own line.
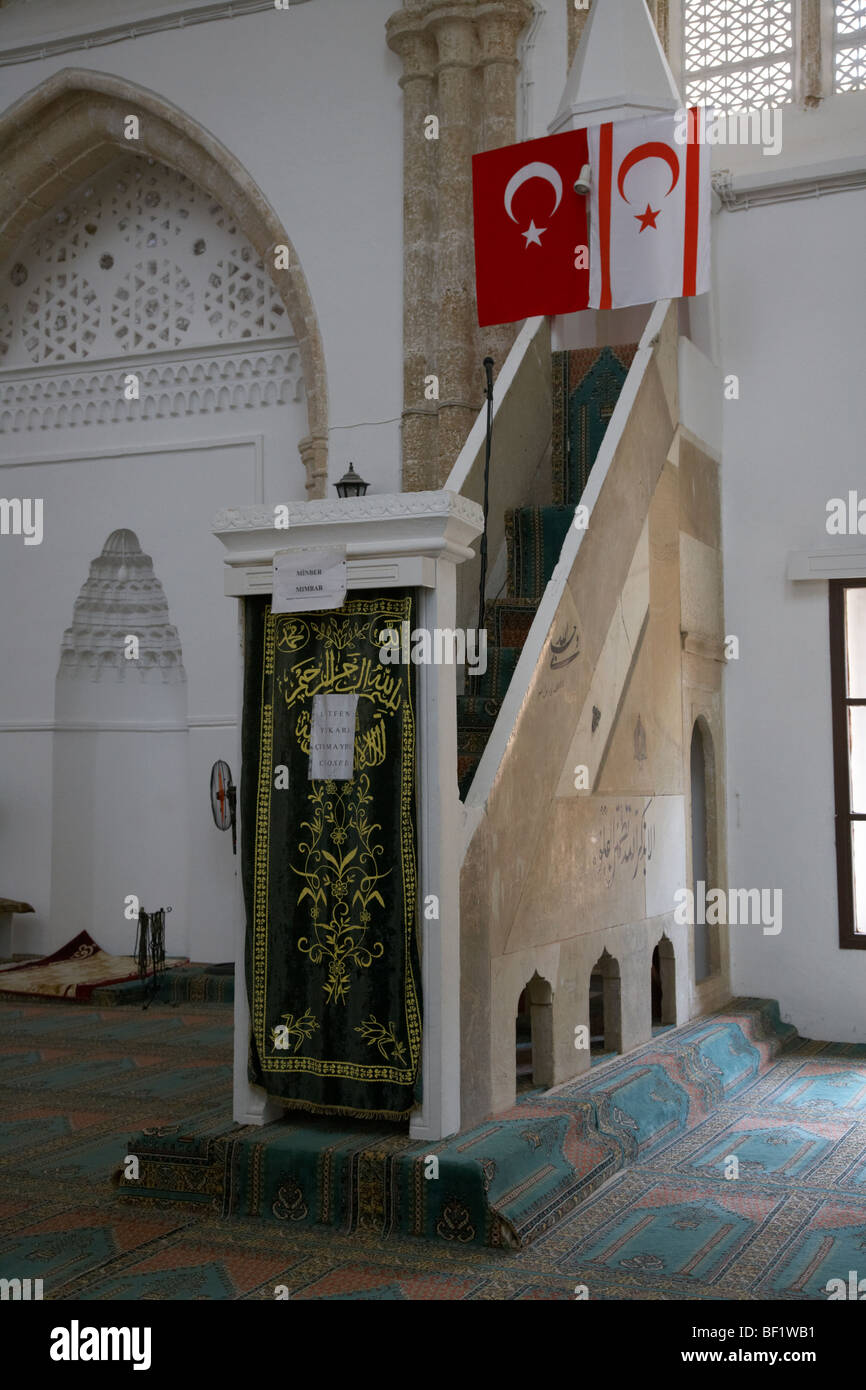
<point>196,984</point>
<point>477,711</point>
<point>534,538</point>
<point>586,387</point>
<point>499,1186</point>
<point>501,664</point>
<point>475,719</point>
<point>505,1182</point>
<point>508,620</point>
<point>476,714</point>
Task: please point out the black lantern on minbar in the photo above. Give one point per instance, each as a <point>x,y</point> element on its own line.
<point>350,485</point>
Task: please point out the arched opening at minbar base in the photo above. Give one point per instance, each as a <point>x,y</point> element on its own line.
<point>605,1009</point>
<point>534,1036</point>
<point>663,982</point>
<point>705,936</point>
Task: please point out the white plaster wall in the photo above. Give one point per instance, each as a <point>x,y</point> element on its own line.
<point>120,829</point>
<point>308,101</point>
<point>25,831</point>
<point>544,70</point>
<point>792,290</point>
<point>167,495</point>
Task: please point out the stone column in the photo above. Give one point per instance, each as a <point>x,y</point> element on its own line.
<point>811,58</point>
<point>576,20</point>
<point>499,28</point>
<point>420,161</point>
<point>459,60</point>
<point>313,449</point>
<point>659,9</point>
<point>459,367</point>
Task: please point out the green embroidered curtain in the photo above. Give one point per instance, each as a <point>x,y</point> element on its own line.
<point>329,867</point>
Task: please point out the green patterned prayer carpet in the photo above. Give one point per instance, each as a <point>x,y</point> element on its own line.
<point>75,1083</point>
<point>194,984</point>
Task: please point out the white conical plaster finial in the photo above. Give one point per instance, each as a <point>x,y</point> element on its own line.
<point>619,70</point>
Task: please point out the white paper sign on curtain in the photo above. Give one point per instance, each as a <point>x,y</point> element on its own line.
<point>332,737</point>
<point>305,580</point>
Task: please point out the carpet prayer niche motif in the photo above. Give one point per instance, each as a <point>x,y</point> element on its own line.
<point>77,1082</point>
<point>329,866</point>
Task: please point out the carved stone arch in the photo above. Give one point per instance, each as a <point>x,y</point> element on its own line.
<point>664,982</point>
<point>704,840</point>
<point>68,127</point>
<point>534,1035</point>
<point>605,1005</point>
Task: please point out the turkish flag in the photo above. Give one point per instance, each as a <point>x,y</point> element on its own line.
<point>531,244</point>
<point>650,209</point>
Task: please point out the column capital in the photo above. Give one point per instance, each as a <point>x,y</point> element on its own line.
<point>406,36</point>
<point>496,23</point>
<point>454,28</point>
<point>500,24</point>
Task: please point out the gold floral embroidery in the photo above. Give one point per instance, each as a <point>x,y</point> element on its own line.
<point>375,1034</point>
<point>341,889</point>
<point>300,1029</point>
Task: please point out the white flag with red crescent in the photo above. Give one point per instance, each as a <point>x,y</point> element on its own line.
<point>649,209</point>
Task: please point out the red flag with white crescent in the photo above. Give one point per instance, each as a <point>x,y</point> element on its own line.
<point>650,209</point>
<point>531,245</point>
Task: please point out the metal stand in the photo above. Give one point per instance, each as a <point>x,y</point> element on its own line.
<point>150,950</point>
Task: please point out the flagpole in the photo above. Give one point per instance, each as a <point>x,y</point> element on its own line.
<point>488,367</point>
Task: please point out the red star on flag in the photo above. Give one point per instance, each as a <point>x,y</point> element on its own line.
<point>650,162</point>
<point>648,218</point>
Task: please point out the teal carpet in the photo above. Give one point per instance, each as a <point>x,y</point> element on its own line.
<point>671,1223</point>
<point>502,1184</point>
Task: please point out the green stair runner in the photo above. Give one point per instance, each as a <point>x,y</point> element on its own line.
<point>586,387</point>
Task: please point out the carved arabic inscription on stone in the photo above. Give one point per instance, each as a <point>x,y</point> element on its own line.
<point>621,841</point>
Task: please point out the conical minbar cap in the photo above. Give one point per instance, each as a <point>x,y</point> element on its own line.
<point>619,69</point>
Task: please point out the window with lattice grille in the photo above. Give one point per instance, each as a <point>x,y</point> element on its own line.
<point>849,45</point>
<point>739,54</point>
<point>138,260</point>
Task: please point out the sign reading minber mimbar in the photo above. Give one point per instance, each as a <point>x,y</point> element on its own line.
<point>309,580</point>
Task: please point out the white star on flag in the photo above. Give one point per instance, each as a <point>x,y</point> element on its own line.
<point>533,235</point>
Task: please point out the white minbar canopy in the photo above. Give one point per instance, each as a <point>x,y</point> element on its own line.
<point>392,540</point>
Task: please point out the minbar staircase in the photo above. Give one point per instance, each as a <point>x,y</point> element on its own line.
<point>586,387</point>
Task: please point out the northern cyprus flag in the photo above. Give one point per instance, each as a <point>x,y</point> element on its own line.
<point>649,209</point>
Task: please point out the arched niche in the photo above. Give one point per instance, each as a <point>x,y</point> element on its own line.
<point>663,984</point>
<point>704,849</point>
<point>534,1035</point>
<point>68,127</point>
<point>120,810</point>
<point>605,1006</point>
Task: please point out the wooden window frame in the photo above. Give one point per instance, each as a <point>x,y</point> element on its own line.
<point>848,938</point>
